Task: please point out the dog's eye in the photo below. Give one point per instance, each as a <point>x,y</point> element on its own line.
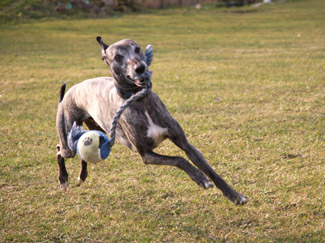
<point>118,57</point>
<point>137,50</point>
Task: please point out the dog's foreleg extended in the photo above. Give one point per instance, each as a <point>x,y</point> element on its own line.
<point>197,158</point>
<point>151,157</point>
<point>177,135</point>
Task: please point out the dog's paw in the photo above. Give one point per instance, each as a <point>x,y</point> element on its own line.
<point>80,181</point>
<point>236,198</point>
<point>207,184</point>
<point>242,200</point>
<point>203,181</point>
<point>64,186</point>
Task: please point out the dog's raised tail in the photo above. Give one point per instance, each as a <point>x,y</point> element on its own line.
<point>62,91</point>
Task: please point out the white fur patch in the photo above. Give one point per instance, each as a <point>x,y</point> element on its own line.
<point>80,181</point>
<point>155,132</point>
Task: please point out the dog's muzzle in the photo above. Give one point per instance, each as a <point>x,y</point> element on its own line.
<point>138,71</point>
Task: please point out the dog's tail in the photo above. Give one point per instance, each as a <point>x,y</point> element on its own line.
<point>62,91</point>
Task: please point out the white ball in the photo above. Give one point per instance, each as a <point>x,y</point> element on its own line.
<point>88,147</point>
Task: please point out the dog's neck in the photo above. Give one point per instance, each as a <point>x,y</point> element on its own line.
<point>126,91</point>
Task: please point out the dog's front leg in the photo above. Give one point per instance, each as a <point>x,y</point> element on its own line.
<point>197,158</point>
<point>196,175</point>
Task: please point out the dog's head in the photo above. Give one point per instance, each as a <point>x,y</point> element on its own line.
<point>125,59</point>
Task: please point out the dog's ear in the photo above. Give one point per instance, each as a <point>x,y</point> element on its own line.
<point>103,46</point>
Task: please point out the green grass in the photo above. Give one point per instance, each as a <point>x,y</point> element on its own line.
<point>247,87</point>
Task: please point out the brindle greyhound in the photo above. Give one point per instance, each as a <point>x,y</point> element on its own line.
<point>142,126</point>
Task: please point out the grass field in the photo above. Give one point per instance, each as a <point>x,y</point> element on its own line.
<point>248,87</point>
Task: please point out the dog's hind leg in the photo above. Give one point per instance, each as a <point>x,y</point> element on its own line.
<point>64,125</point>
<point>150,157</point>
<point>63,174</point>
<point>91,125</point>
<point>83,172</point>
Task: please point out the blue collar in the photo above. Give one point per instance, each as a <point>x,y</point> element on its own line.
<point>127,93</point>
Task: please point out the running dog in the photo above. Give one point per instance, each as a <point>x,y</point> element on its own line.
<point>142,126</point>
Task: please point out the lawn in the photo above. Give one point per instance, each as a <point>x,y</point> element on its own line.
<point>248,87</point>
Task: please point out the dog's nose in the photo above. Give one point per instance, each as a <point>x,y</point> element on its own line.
<point>140,69</point>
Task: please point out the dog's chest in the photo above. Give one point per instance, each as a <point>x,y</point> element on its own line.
<point>155,132</point>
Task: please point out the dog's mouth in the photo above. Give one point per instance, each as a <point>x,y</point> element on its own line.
<point>138,81</point>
